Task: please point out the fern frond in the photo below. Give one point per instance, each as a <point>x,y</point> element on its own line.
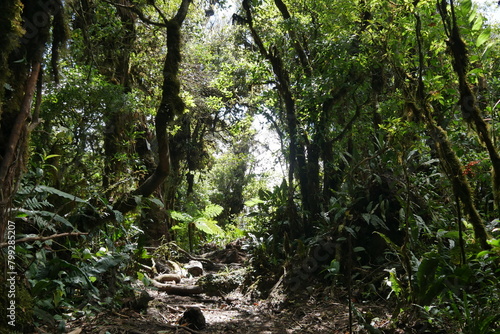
<point>212,210</point>
<point>40,222</point>
<point>208,226</point>
<point>181,216</point>
<point>35,204</point>
<point>60,193</point>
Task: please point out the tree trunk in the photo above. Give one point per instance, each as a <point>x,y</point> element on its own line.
<point>298,161</point>
<point>21,60</point>
<point>171,105</point>
<point>447,156</point>
<point>470,108</point>
<point>10,11</point>
<point>455,172</point>
<point>15,151</point>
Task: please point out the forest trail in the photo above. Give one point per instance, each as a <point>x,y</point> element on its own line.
<point>313,310</point>
<point>234,313</point>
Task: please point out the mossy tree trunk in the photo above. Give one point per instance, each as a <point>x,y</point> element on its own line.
<point>471,111</point>
<point>25,29</point>
<point>447,156</point>
<point>21,58</point>
<point>171,105</point>
<point>453,168</point>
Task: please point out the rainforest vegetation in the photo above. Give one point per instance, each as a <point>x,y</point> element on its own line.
<point>347,150</point>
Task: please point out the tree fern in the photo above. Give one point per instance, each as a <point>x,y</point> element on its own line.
<point>202,220</point>
<point>212,211</point>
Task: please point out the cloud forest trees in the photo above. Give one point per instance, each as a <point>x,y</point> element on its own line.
<point>387,112</point>
<point>333,75</point>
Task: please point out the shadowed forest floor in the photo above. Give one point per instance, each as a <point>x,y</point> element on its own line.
<point>234,314</point>
<point>315,309</point>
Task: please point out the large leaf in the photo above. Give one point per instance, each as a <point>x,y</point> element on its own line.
<point>254,202</point>
<point>208,226</point>
<point>429,282</point>
<point>156,201</point>
<point>105,263</point>
<point>60,193</point>
<point>56,217</point>
<point>54,268</point>
<point>483,37</point>
<point>478,23</point>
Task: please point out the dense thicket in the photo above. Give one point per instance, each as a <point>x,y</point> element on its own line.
<point>131,123</point>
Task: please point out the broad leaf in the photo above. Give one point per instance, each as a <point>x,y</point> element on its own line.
<point>483,37</point>
<point>157,202</point>
<point>253,202</point>
<point>60,193</point>
<point>56,217</point>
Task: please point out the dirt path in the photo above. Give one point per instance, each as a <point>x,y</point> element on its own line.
<point>313,310</point>
<point>233,314</point>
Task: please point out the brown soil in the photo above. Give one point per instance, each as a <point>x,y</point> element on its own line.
<point>313,310</point>
<point>234,314</point>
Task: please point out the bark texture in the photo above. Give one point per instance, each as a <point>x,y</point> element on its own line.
<point>171,105</point>
<point>21,58</point>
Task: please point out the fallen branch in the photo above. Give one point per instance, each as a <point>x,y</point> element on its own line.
<point>179,290</point>
<point>39,238</point>
<point>168,277</point>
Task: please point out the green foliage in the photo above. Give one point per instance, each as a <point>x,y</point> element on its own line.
<point>36,209</point>
<point>267,217</point>
<point>429,279</point>
<point>76,276</point>
<point>466,295</point>
<point>394,283</point>
<point>362,151</point>
<point>202,219</point>
<point>332,271</point>
<point>195,219</point>
<point>85,283</point>
<point>265,261</point>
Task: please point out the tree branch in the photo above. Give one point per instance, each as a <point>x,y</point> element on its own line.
<point>182,12</point>
<point>39,238</point>
<point>296,43</point>
<point>171,105</point>
<point>254,33</point>
<point>139,13</point>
